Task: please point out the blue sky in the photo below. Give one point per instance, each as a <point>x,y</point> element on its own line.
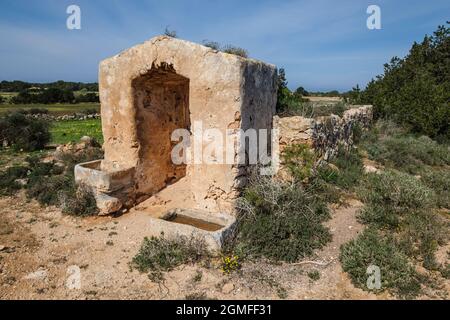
<point>322,44</point>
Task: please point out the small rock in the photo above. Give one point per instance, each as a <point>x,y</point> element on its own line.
<point>228,288</point>
<point>40,274</point>
<point>21,182</point>
<point>370,169</point>
<point>107,204</point>
<point>333,167</point>
<point>2,247</point>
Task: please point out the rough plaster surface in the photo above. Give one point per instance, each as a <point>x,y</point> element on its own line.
<point>166,83</point>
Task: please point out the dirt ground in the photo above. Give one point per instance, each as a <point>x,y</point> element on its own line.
<point>42,250</point>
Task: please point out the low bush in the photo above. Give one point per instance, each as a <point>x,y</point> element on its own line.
<point>403,228</point>
<point>400,150</point>
<point>344,172</point>
<point>46,189</point>
<point>33,111</point>
<point>52,183</point>
<point>299,159</point>
<point>439,181</point>
<point>227,48</point>
<point>403,205</point>
<point>329,109</point>
<point>8,183</point>
<point>24,133</point>
<point>80,201</point>
<point>170,33</point>
<point>396,190</point>
<point>351,169</point>
<point>370,248</point>
<point>211,44</point>
<point>314,275</point>
<point>280,221</point>
<point>235,50</point>
<point>420,235</point>
<point>158,254</point>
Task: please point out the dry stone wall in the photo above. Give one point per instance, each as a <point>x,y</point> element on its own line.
<point>323,134</point>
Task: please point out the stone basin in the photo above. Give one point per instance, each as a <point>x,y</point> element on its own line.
<point>90,173</point>
<point>213,228</point>
<point>109,187</point>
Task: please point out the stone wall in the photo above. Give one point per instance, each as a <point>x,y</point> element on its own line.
<point>323,134</point>
<point>65,117</point>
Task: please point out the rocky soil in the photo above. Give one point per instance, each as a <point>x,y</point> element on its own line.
<point>41,250</point>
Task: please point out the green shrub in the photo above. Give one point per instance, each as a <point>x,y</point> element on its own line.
<point>346,169</point>
<point>78,200</point>
<point>53,183</point>
<point>404,205</point>
<point>314,275</point>
<point>280,221</point>
<point>420,235</point>
<point>8,184</point>
<point>439,181</point>
<point>357,132</point>
<point>370,248</point>
<point>397,191</point>
<point>299,159</point>
<point>329,109</point>
<point>351,169</point>
<point>24,133</point>
<point>320,184</point>
<point>162,254</point>
<point>46,189</point>
<point>415,91</point>
<point>408,153</point>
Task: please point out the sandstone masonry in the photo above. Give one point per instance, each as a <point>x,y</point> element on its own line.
<point>164,84</point>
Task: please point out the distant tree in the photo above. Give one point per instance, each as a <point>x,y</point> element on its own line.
<point>88,97</point>
<point>301,92</point>
<point>22,98</point>
<point>14,86</point>
<point>19,86</point>
<point>354,96</point>
<point>415,91</point>
<point>284,94</point>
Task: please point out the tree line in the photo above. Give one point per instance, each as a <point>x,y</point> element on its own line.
<point>46,93</point>
<point>53,95</point>
<point>19,86</point>
<point>414,91</point>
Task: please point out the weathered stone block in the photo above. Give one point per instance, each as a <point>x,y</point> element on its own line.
<point>212,228</point>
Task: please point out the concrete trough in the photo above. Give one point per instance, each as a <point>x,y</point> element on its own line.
<point>213,228</point>
<point>109,188</point>
<point>90,173</point>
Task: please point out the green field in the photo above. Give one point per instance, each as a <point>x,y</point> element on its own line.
<point>71,131</point>
<point>55,109</point>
